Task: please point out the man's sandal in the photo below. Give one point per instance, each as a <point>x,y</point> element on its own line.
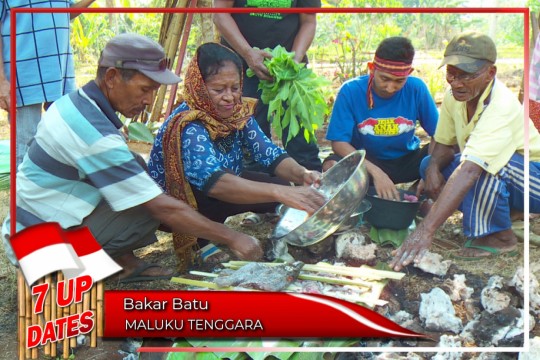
<point>492,252</point>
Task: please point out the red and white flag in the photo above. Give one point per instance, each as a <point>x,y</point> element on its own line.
<point>45,248</point>
<point>95,261</point>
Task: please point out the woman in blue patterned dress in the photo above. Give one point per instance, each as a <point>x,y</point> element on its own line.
<point>198,152</point>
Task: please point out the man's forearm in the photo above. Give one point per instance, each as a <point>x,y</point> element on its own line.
<point>230,31</point>
<point>80,5</point>
<point>453,193</point>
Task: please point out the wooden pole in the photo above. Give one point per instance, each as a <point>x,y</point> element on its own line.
<point>99,312</point>
<point>21,293</point>
<point>73,340</point>
<point>93,306</point>
<point>53,313</point>
<point>35,319</point>
<point>47,314</point>
<point>172,41</point>
<point>181,56</point>
<point>28,315</point>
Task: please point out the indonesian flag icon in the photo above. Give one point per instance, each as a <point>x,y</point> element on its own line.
<point>45,248</point>
<point>95,261</point>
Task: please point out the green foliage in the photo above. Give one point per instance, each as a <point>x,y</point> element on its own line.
<point>295,98</point>
<point>255,343</point>
<point>140,132</point>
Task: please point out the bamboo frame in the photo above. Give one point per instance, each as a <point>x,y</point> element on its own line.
<point>99,310</point>
<point>28,317</point>
<point>172,41</point>
<point>93,306</point>
<point>47,314</point>
<point>54,312</point>
<point>21,297</point>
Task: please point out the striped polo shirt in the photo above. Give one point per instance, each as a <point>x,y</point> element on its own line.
<point>78,158</point>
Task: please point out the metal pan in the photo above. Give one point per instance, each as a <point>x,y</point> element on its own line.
<point>345,185</point>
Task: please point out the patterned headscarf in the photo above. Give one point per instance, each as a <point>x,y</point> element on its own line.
<point>396,68</point>
<point>201,109</point>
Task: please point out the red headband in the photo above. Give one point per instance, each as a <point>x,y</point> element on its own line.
<point>396,68</point>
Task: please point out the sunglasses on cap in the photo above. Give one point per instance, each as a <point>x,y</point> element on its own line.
<point>150,65</point>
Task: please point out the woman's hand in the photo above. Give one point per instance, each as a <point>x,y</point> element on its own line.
<point>247,248</point>
<point>412,249</point>
<point>305,198</point>
<point>312,178</point>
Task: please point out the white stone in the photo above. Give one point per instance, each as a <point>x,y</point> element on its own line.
<point>534,350</point>
<point>432,263</point>
<point>352,245</point>
<point>493,299</point>
<point>437,312</point>
<point>449,341</point>
<point>534,288</point>
<point>403,318</point>
<point>460,291</point>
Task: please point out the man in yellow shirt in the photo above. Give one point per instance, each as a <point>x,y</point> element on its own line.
<point>485,180</point>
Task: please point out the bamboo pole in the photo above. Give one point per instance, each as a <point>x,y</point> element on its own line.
<point>363,272</point>
<point>66,312</point>
<point>35,320</point>
<point>53,313</point>
<point>21,292</point>
<point>99,312</point>
<point>28,315</point>
<point>73,311</point>
<point>181,55</point>
<point>335,281</point>
<point>93,306</point>
<point>172,41</point>
<point>47,314</point>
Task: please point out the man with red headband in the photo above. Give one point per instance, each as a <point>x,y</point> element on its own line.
<point>378,113</point>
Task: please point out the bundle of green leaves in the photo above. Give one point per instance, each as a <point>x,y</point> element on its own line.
<point>296,96</point>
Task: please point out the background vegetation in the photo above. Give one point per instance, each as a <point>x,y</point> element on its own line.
<point>344,41</point>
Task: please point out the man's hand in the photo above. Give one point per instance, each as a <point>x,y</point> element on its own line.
<point>434,183</point>
<point>255,61</point>
<point>4,95</point>
<point>246,248</point>
<point>385,187</point>
<point>412,249</point>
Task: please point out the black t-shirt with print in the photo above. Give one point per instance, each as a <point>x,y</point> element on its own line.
<point>267,30</point>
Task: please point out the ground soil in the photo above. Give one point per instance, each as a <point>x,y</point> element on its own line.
<point>404,294</point>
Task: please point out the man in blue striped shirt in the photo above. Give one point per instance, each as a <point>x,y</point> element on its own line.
<point>80,171</point>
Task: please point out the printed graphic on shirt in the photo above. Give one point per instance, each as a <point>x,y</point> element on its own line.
<point>269,4</point>
<point>385,126</point>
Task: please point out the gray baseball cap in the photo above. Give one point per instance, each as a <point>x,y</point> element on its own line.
<point>470,51</point>
<point>137,52</point>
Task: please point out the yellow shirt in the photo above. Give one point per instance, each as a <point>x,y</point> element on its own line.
<point>495,132</point>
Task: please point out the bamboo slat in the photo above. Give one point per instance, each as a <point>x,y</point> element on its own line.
<point>99,310</point>
<point>73,340</point>
<point>35,319</point>
<point>47,313</point>
<point>21,292</point>
<point>172,40</point>
<point>93,307</point>
<point>53,313</point>
<point>28,315</point>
